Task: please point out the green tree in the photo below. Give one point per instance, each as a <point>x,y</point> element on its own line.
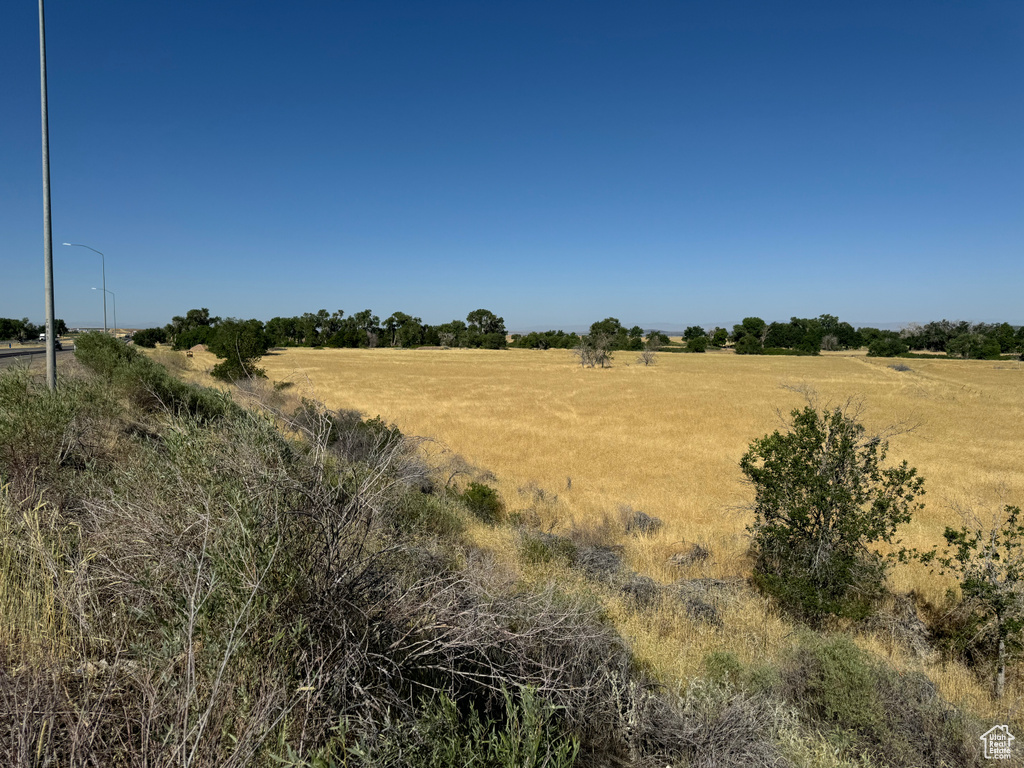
<point>967,346</point>
<point>720,337</point>
<point>485,329</point>
<point>698,344</point>
<point>693,332</point>
<point>751,326</point>
<point>610,327</point>
<point>748,345</point>
<point>990,566</point>
<point>149,337</point>
<point>886,347</point>
<point>240,344</point>
<point>822,500</point>
<point>1004,335</point>
<point>485,321</point>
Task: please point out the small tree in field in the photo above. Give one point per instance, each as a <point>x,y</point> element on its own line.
<point>240,345</point>
<point>990,566</point>
<point>822,500</point>
<point>592,351</point>
<point>649,354</point>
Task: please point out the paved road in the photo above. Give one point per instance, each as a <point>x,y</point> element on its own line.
<point>33,358</point>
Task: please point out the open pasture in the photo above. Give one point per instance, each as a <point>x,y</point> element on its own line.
<point>667,438</point>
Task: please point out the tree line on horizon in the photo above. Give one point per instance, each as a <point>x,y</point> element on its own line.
<point>482,329</point>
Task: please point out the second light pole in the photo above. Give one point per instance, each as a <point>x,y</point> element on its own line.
<point>103,263</point>
<point>105,292</point>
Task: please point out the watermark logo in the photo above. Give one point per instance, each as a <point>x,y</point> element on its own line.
<point>997,742</point>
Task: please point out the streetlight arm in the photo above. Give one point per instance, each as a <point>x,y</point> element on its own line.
<point>80,245</point>
<point>103,264</point>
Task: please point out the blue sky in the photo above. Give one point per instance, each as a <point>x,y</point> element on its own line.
<point>666,163</point>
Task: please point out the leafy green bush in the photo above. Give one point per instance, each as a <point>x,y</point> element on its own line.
<point>484,502</point>
<point>198,335</point>
<point>536,548</point>
<point>240,345</point>
<point>748,345</point>
<point>886,347</point>
<point>822,498</point>
<point>149,337</point>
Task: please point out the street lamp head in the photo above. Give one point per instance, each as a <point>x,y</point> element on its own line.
<point>66,243</point>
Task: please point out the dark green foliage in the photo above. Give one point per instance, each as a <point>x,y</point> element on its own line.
<point>660,338</point>
<point>484,502</point>
<point>192,337</point>
<point>697,344</point>
<point>800,352</point>
<point>719,337</point>
<point>966,346</point>
<point>546,340</point>
<point>694,332</point>
<point>611,335</point>
<point>751,326</point>
<point>239,344</point>
<point>150,337</point>
<point>25,330</point>
<point>886,347</point>
<point>485,330</point>
<point>194,328</point>
<point>748,345</point>
<point>822,498</point>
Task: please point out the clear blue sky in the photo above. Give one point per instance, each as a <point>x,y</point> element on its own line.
<point>667,163</point>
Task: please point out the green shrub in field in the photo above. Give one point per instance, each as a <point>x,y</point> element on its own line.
<point>886,347</point>
<point>822,500</point>
<point>536,548</point>
<point>900,720</point>
<point>748,345</point>
<point>484,502</point>
<point>698,344</point>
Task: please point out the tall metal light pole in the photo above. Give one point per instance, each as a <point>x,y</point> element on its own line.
<point>51,325</point>
<point>105,291</point>
<point>103,262</point>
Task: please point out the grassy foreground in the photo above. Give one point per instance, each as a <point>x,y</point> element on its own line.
<point>191,579</point>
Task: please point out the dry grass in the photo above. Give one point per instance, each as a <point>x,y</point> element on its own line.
<point>666,439</point>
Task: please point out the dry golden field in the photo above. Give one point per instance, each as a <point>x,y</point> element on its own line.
<point>666,439</point>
